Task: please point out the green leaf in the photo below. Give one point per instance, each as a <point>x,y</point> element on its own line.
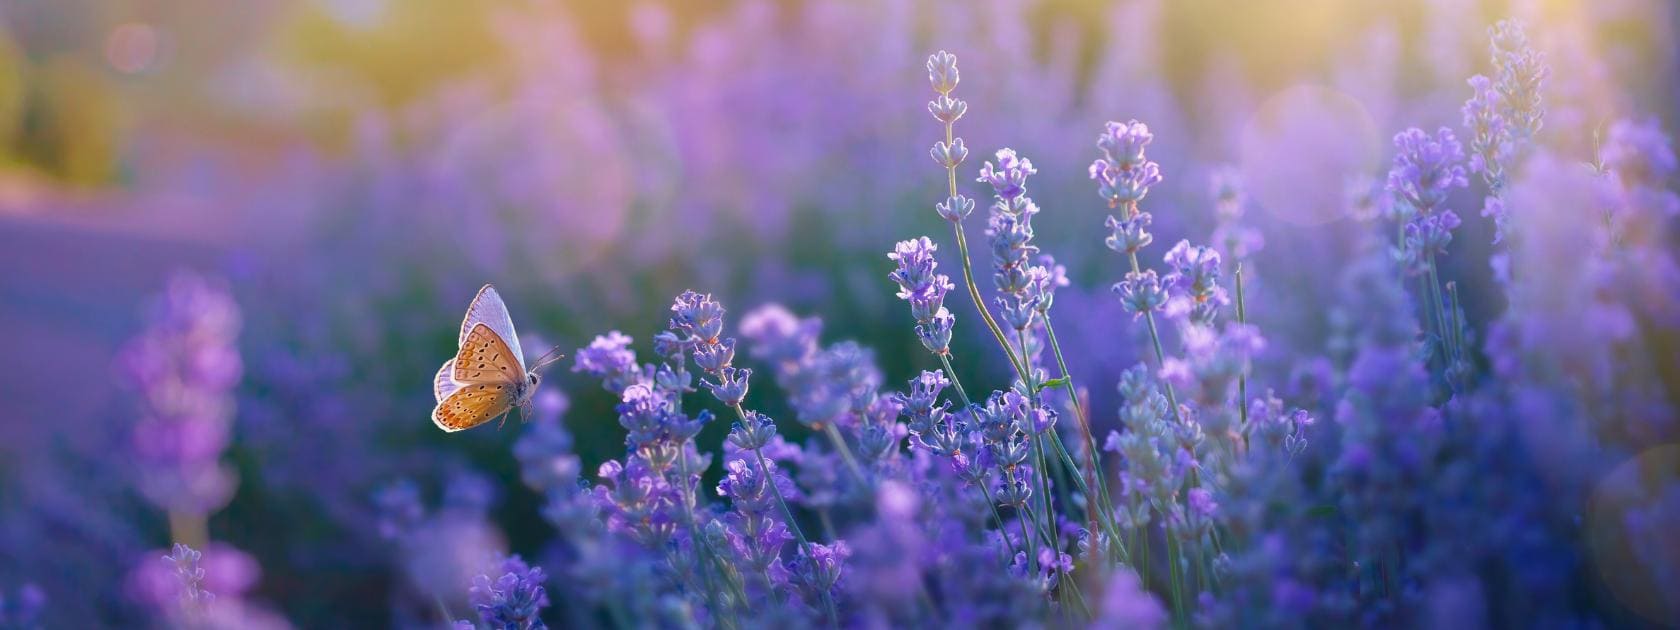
<point>1055,382</point>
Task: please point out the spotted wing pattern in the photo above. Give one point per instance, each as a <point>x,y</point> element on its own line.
<point>473,405</point>
<point>487,308</point>
<point>486,358</point>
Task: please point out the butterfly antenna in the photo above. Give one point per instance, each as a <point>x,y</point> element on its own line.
<point>548,358</point>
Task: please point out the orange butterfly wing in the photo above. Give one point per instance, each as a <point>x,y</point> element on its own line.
<point>485,358</point>
<point>473,405</point>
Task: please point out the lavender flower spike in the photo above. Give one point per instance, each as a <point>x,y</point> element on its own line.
<point>925,290</point>
<point>1009,178</point>
<point>1520,75</point>
<point>1426,168</point>
<point>1124,174</point>
<point>513,599</point>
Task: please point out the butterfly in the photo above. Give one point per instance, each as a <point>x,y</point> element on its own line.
<point>487,379</point>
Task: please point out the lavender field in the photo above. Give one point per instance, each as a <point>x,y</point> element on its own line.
<point>840,313</point>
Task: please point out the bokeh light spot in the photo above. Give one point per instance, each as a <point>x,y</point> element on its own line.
<point>132,48</point>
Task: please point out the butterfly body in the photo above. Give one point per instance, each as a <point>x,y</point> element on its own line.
<point>487,379</point>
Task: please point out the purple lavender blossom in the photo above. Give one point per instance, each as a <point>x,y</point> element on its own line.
<point>1009,178</point>
<point>186,365</point>
<point>1141,293</point>
<point>1430,235</point>
<point>1426,168</point>
<point>194,598</point>
<point>1195,271</point>
<point>399,509</point>
<point>1131,234</point>
<point>1123,174</point>
<point>1639,153</point>
<point>925,290</point>
<point>819,568</point>
<point>513,598</point>
<point>1491,144</point>
<point>917,280</point>
<point>755,530</point>
<point>609,358</point>
<point>544,451</point>
<point>1520,76</point>
<point>753,433</point>
<point>1126,603</point>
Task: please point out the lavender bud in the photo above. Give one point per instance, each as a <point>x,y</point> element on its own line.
<point>1141,292</point>
<point>712,357</point>
<point>946,109</point>
<point>1009,178</point>
<point>942,72</point>
<point>1017,313</point>
<point>754,433</point>
<point>1130,235</point>
<point>1015,491</point>
<point>935,335</point>
<point>955,209</point>
<point>731,386</point>
<point>698,316</point>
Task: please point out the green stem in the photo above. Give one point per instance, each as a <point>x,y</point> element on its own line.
<point>846,453</point>
<point>945,360</point>
<point>1172,568</point>
<point>980,303</point>
<point>804,544</point>
<point>1102,501</point>
<point>1155,340</point>
<point>1106,517</point>
<point>1456,307</point>
<point>1032,545</point>
<point>1043,471</point>
<point>1242,377</point>
<point>999,516</point>
<point>1443,336</point>
<point>968,273</point>
<point>705,548</point>
<point>1049,499</point>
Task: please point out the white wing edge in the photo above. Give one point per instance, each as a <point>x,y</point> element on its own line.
<point>488,308</point>
<point>438,423</point>
<point>444,383</point>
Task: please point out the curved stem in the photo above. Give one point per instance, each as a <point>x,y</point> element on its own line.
<point>980,303</point>
<point>1103,502</point>
<point>1242,377</point>
<point>945,359</point>
<point>999,516</point>
<point>846,453</point>
<point>1155,340</point>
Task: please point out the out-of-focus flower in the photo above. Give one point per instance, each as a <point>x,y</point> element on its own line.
<point>185,364</point>
<point>1520,75</point>
<point>1426,168</point>
<point>24,608</point>
<point>1125,603</point>
<point>610,358</point>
